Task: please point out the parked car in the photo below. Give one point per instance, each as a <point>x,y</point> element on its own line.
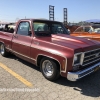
<point>88,31</point>
<point>0,26</point>
<point>55,52</point>
<point>9,27</point>
<point>72,28</point>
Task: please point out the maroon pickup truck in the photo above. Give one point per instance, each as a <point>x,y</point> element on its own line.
<point>46,44</point>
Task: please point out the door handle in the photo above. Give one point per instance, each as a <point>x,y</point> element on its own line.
<point>15,36</point>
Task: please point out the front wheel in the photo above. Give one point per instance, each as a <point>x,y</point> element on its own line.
<point>3,51</point>
<point>49,69</point>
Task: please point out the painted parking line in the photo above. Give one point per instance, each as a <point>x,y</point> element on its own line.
<point>27,83</point>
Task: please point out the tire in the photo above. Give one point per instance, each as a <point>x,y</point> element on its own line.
<point>3,51</point>
<point>49,69</point>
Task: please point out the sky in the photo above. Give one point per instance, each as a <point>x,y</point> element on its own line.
<point>78,10</point>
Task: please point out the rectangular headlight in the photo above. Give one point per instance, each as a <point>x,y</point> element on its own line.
<point>77,59</point>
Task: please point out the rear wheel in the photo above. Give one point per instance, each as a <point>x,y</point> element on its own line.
<point>49,69</point>
<point>3,51</point>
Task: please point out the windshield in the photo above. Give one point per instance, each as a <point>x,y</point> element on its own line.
<point>96,28</point>
<point>46,28</point>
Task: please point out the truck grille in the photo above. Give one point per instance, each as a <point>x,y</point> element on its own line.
<point>91,57</point>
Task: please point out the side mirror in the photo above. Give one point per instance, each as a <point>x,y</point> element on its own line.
<point>29,33</point>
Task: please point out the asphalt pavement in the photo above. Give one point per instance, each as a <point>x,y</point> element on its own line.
<point>20,80</point>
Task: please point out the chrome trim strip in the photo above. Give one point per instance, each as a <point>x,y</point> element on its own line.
<point>54,54</point>
<point>91,58</point>
<point>37,57</point>
<point>54,59</point>
<point>81,58</point>
<point>21,54</point>
<point>91,62</point>
<point>8,48</point>
<point>45,51</point>
<point>74,76</point>
<point>92,50</point>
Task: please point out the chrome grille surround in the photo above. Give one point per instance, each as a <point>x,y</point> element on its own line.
<point>91,57</point>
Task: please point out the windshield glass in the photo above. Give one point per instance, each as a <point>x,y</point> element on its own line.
<point>46,28</point>
<point>96,28</point>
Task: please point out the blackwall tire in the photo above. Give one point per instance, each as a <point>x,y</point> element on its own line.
<point>49,69</point>
<point>3,51</point>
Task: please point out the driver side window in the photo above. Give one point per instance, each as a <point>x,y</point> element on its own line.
<point>24,29</point>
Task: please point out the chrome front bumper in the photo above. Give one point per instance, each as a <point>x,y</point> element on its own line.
<point>74,76</point>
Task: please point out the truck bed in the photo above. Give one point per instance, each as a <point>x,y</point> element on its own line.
<point>6,38</point>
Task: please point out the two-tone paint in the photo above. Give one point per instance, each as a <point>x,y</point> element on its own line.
<point>59,47</point>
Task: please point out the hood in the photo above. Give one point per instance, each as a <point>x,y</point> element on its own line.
<point>75,43</point>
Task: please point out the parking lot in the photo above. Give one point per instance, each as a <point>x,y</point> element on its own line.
<point>16,73</point>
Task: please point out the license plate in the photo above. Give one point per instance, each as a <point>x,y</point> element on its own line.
<point>97,68</point>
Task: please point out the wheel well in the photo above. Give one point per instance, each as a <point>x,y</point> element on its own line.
<point>1,43</point>
<point>40,57</point>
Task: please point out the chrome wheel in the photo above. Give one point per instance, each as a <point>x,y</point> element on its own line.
<point>47,68</point>
<point>2,49</point>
